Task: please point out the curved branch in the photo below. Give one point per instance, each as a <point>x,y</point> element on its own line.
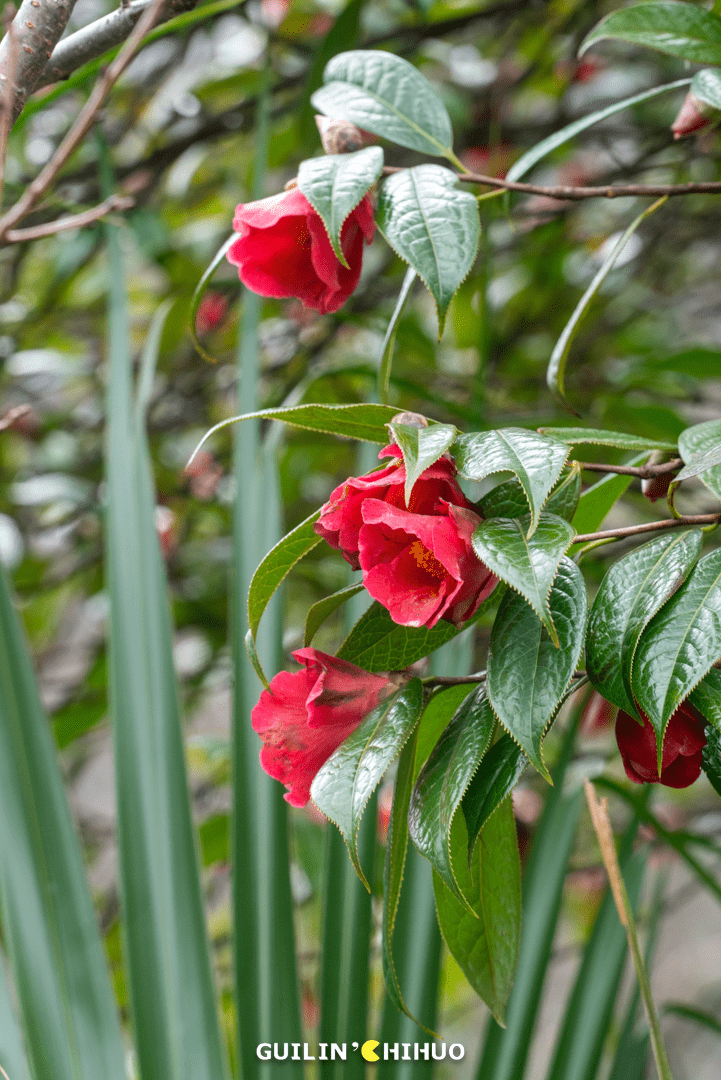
<point>26,50</point>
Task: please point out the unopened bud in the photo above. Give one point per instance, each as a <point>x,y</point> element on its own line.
<point>693,116</point>
<point>656,487</point>
<point>412,419</point>
<point>339,136</point>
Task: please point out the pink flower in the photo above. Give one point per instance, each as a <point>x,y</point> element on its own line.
<point>683,745</point>
<point>211,311</point>
<point>694,115</point>
<point>283,250</point>
<point>305,716</point>
<point>422,567</point>
<point>341,518</point>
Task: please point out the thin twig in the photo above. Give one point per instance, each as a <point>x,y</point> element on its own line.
<point>12,416</point>
<point>651,526</point>
<point>37,28</point>
<point>602,825</point>
<point>77,221</point>
<point>479,677</point>
<point>82,125</point>
<point>644,472</point>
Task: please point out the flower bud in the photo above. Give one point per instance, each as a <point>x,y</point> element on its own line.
<point>693,116</point>
<point>340,136</point>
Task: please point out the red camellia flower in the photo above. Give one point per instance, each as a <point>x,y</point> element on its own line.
<point>682,748</point>
<point>283,250</point>
<point>307,714</point>
<point>341,518</point>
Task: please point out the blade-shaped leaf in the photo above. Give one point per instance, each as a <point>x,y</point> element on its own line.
<point>335,184</point>
<point>443,780</point>
<point>706,86</point>
<point>421,448</point>
<point>499,772</point>
<point>324,608</point>
<point>385,94</point>
<point>711,757</point>
<point>698,446</point>
<point>12,1054</point>
<point>527,674</point>
<point>344,784</point>
<point>527,564</point>
<point>574,436</point>
<point>678,29</point>
<point>279,561</point>
<point>631,593</point>
<point>389,341</point>
<point>486,940</point>
<point>433,226</point>
<point>68,1011</point>
<point>679,645</point>
<point>537,461</point>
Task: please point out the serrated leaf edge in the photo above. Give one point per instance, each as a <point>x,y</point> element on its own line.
<point>336,243</point>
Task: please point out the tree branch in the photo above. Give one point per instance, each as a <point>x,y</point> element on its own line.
<point>77,221</point>
<point>644,472</point>
<point>36,30</point>
<point>651,526</point>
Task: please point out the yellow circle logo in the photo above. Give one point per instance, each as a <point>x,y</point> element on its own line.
<point>368,1050</point>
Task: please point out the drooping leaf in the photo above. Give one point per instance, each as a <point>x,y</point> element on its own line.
<point>679,645</point>
<point>382,93</point>
<point>536,460</point>
<point>434,226</point>
<point>527,673</point>
<point>631,593</point>
<point>706,86</point>
<point>678,29</point>
<point>574,436</point>
<point>707,697</point>
<point>320,611</point>
<point>442,783</point>
<point>527,563</point>
<point>699,446</point>
<point>497,775</point>
<point>334,185</point>
<point>389,341</point>
<point>421,448</point>
<point>276,565</point>
<point>711,757</point>
<point>485,941</point>
<point>344,784</point>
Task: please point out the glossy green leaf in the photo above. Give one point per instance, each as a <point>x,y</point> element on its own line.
<point>631,593</point>
<point>385,94</point>
<point>711,757</point>
<point>364,422</point>
<point>396,846</point>
<point>699,447</point>
<point>344,784</point>
<point>507,500</point>
<point>485,941</point>
<point>320,611</point>
<point>279,561</point>
<point>497,775</point>
<point>706,86</point>
<point>527,564</point>
<point>679,645</point>
<point>542,149</point>
<point>536,460</point>
<point>564,498</point>
<point>678,29</point>
<point>421,448</point>
<point>574,436</point>
<point>389,341</point>
<point>67,1007</point>
<point>434,226</point>
<point>334,185</point>
<point>527,673</point>
<point>443,781</point>
<point>171,986</point>
<point>707,697</point>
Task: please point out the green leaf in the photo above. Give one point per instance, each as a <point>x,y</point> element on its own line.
<point>252,651</point>
<point>527,564</point>
<point>597,500</point>
<point>437,715</point>
<point>499,772</point>
<point>536,460</point>
<point>527,673</point>
<point>679,645</point>
<point>421,448</point>
<point>443,781</point>
<point>706,697</point>
<point>335,184</point>
<point>574,436</point>
<point>678,29</point>
<point>12,1054</point>
<point>384,94</point>
<point>631,593</point>
<point>711,757</point>
<point>563,500</point>
<point>698,1016</point>
<point>433,226</point>
<point>320,611</point>
<point>389,341</point>
<point>365,422</point>
<point>706,86</point>
<point>559,356</point>
<point>376,643</point>
<point>699,447</point>
<point>542,149</point>
<point>507,500</point>
<point>485,942</point>
<point>279,561</point>
<point>346,781</point>
<point>396,846</point>
<point>68,1011</point>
